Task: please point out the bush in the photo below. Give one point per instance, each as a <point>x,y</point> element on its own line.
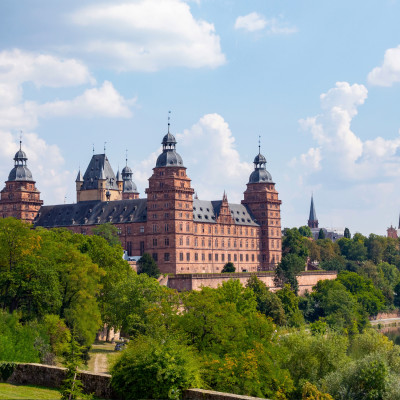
<point>228,267</point>
<point>154,369</point>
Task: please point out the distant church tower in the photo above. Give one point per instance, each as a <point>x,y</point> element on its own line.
<point>20,198</point>
<point>312,219</point>
<point>262,199</point>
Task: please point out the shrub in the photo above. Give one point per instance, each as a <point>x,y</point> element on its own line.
<point>155,369</point>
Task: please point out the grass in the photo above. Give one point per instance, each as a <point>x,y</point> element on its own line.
<point>8,391</point>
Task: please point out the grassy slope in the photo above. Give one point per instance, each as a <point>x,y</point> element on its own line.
<point>8,391</point>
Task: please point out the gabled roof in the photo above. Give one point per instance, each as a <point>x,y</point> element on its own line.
<point>92,212</point>
<point>99,168</point>
<point>208,211</point>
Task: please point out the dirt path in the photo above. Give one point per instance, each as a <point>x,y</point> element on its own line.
<point>100,363</point>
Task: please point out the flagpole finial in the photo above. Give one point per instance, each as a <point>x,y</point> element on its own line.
<point>169,119</point>
<point>259,144</point>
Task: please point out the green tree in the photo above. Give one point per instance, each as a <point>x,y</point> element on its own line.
<point>287,270</point>
<point>268,303</point>
<point>146,265</point>
<point>290,303</point>
<point>229,267</point>
<point>153,369</point>
<point>294,243</point>
<point>321,234</point>
<point>347,234</point>
<point>305,231</point>
<point>109,232</point>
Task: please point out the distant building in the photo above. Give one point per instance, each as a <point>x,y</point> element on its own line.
<point>392,232</point>
<point>330,233</point>
<point>20,198</point>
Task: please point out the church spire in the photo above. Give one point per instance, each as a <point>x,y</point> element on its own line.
<point>312,219</point>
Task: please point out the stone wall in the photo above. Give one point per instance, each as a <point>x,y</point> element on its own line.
<point>200,394</point>
<point>183,282</point>
<point>49,376</point>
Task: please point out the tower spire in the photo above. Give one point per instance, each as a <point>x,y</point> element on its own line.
<point>312,219</point>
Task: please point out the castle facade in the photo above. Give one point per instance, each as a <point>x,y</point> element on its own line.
<point>182,233</point>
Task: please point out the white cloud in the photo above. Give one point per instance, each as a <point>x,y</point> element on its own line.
<point>208,150</point>
<point>257,22</point>
<point>18,66</point>
<point>341,156</point>
<point>251,22</point>
<point>104,102</point>
<point>389,72</point>
<point>149,35</point>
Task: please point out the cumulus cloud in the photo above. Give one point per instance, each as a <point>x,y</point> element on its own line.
<point>208,150</point>
<point>149,35</point>
<point>45,160</point>
<point>389,72</point>
<point>104,101</point>
<point>257,22</point>
<point>343,156</point>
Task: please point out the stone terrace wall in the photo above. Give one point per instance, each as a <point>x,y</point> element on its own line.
<point>200,394</point>
<point>183,282</point>
<point>49,376</point>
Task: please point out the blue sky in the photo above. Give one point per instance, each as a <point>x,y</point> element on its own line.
<point>319,81</point>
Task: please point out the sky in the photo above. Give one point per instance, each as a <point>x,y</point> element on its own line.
<point>318,81</point>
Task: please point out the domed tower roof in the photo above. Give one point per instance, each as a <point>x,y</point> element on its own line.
<point>129,186</point>
<point>260,173</point>
<point>20,172</point>
<point>169,157</point>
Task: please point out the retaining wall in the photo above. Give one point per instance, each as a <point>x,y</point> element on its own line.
<point>183,282</point>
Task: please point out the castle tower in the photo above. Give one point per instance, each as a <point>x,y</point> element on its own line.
<point>98,182</point>
<point>262,199</point>
<point>129,189</point>
<point>312,219</point>
<point>169,209</point>
<point>20,198</point>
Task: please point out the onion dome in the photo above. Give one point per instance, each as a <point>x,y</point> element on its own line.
<point>260,173</point>
<point>169,157</point>
<point>20,172</point>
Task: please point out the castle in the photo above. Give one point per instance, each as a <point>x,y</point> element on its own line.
<point>182,233</point>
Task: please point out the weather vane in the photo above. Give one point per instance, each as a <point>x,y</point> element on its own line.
<point>20,139</point>
<point>126,156</point>
<point>169,118</point>
<point>105,147</point>
<point>259,144</point>
<point>93,148</point>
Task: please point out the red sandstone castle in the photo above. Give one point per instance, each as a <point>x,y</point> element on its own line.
<point>182,233</point>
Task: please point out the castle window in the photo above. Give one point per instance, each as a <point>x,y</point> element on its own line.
<point>247,257</point>
<point>154,216</point>
<point>241,257</point>
<point>209,229</point>
<point>180,256</point>
<point>187,256</point>
<point>203,257</point>
<point>216,256</point>
<point>181,227</point>
<point>187,228</point>
<point>155,242</point>
<point>216,230</point>
<point>155,256</point>
<point>241,244</point>
<point>209,242</point>
<point>154,228</point>
<point>209,257</point>
<point>128,230</point>
<point>166,256</point>
<point>166,228</point>
<point>229,257</point>
<point>223,243</point>
<point>129,248</point>
<point>202,242</point>
<point>161,184</point>
<point>182,173</point>
<point>216,242</point>
<point>229,231</point>
<point>165,195</point>
<point>229,243</point>
<point>272,244</point>
<point>180,215</point>
<point>181,241</point>
<point>166,205</point>
<point>141,248</point>
<point>196,257</point>
<point>141,229</point>
<point>166,241</point>
<point>195,228</point>
<point>235,244</point>
<point>222,230</point>
<point>235,257</point>
<point>195,242</point>
<point>222,257</point>
<point>252,257</point>
<point>187,241</point>
<point>119,231</point>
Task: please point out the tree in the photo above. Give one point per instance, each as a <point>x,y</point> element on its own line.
<point>293,243</point>
<point>109,232</point>
<point>347,234</point>
<point>229,267</point>
<point>305,231</point>
<point>290,303</point>
<point>287,270</point>
<point>146,265</point>
<point>321,234</point>
<point>155,369</point>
